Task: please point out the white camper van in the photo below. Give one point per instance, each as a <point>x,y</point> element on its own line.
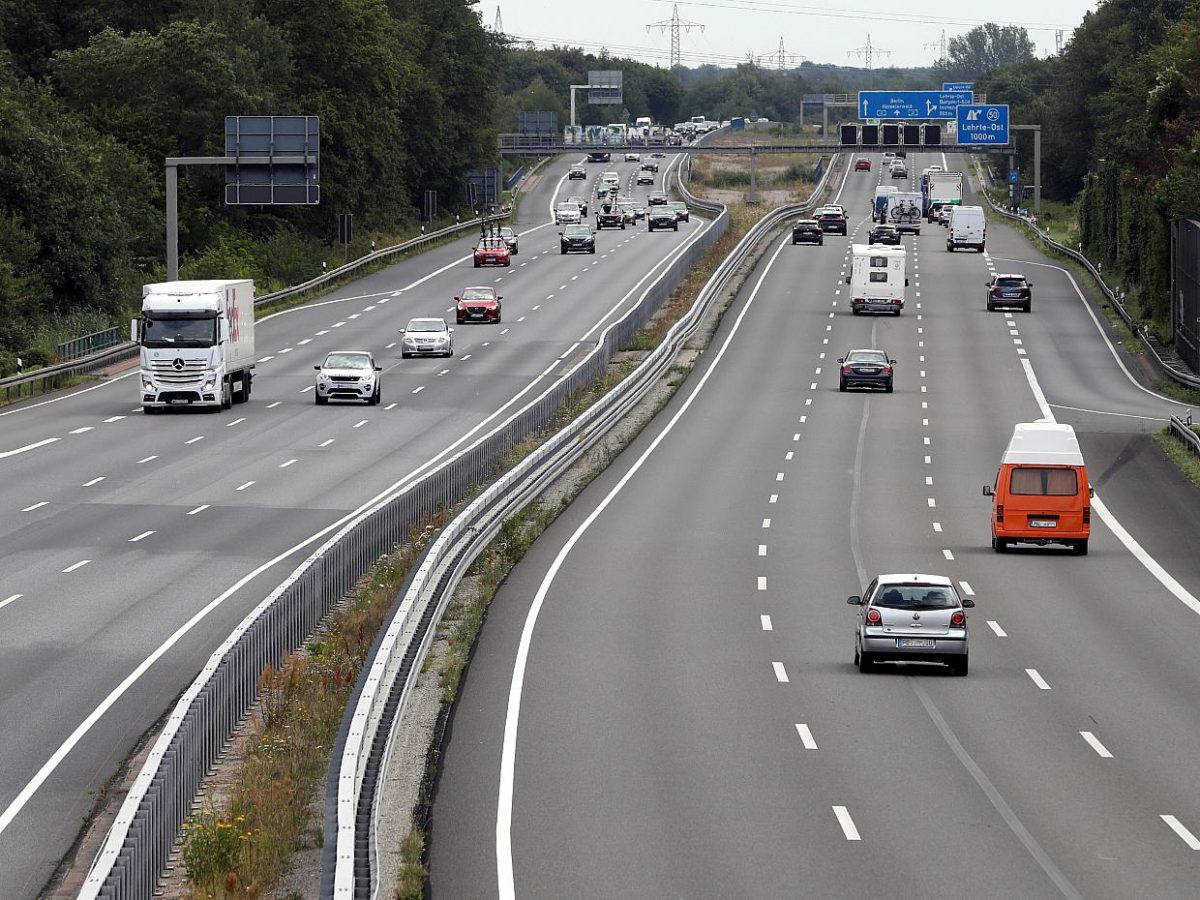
<point>877,279</point>
<point>967,228</point>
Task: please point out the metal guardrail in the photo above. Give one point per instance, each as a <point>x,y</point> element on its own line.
<point>1116,298</point>
<point>88,344</point>
<point>51,377</point>
<point>365,739</point>
<point>1184,431</point>
<point>141,838</point>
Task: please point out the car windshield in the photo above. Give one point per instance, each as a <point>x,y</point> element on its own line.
<point>507,233</point>
<point>179,331</point>
<point>1010,282</point>
<point>478,294</point>
<point>492,243</point>
<point>577,231</point>
<point>867,356</point>
<point>426,325</point>
<point>347,361</point>
<point>916,596</point>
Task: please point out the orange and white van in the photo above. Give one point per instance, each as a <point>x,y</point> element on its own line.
<point>1041,494</point>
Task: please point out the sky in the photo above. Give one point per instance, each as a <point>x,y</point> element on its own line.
<point>820,32</point>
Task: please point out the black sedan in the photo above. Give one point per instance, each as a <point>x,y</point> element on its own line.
<point>866,368</point>
<point>883,234</point>
<point>807,231</point>
<point>577,238</point>
<point>661,216</point>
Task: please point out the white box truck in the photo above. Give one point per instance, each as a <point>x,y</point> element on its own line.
<point>904,211</point>
<point>967,228</point>
<point>941,189</point>
<point>197,344</point>
<point>877,279</point>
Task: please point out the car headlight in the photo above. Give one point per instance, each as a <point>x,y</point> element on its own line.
<point>409,340</point>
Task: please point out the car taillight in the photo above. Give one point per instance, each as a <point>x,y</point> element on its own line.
<point>887,370</point>
<point>1087,515</point>
<point>873,617</point>
<point>1000,513</point>
<point>958,619</point>
<point>848,369</point>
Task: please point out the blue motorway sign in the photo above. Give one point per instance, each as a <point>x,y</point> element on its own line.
<point>983,124</point>
<point>958,86</point>
<point>911,104</point>
<point>1014,176</point>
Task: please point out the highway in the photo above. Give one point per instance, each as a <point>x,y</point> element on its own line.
<point>663,701</point>
<point>130,546</point>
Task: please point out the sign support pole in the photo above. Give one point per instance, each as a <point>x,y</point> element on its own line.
<point>1037,165</point>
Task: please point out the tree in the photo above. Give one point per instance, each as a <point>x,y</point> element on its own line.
<point>983,49</point>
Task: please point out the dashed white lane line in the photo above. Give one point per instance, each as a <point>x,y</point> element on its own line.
<point>273,405</point>
<point>285,350</point>
<point>319,333</point>
<point>928,460</point>
<point>443,373</point>
<point>966,588</point>
<point>391,406</point>
<point>246,485</point>
<point>932,501</point>
<point>196,439</point>
<point>146,459</point>
<point>848,827</point>
<point>774,498</point>
<point>13,599</point>
<point>780,672</point>
<point>96,480</point>
<point>779,476</point>
<point>266,359</point>
<point>1036,677</point>
<point>1186,836</point>
<point>766,523</point>
<point>929,481</point>
<point>766,623</point>
<point>937,526</point>
<point>290,462</point>
<point>337,325</point>
<point>305,390</point>
<point>1094,742</point>
<point>303,342</point>
<point>361,423</point>
<point>464,358</point>
<point>762,582</point>
<point>326,443</point>
<point>806,737</point>
<point>83,430</point>
<point>113,419</point>
<point>949,556</point>
<point>198,509</point>
<point>762,549</point>
<point>418,390</point>
<point>353,316</point>
<point>796,437</point>
<point>521,319</point>
<point>37,505</point>
<point>235,422</point>
<point>140,537</point>
<point>995,626</point>
<point>505,331</point>
<point>74,566</point>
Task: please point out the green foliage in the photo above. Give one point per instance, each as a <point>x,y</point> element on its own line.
<point>984,49</point>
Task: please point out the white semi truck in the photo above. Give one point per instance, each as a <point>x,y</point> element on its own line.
<point>197,344</point>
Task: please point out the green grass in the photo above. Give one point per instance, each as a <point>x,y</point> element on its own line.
<point>1179,453</point>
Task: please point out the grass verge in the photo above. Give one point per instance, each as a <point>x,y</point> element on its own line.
<point>1179,453</point>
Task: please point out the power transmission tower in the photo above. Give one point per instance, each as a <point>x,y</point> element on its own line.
<point>1058,42</point>
<point>674,24</point>
<point>782,57</point>
<point>868,53</point>
<point>939,45</point>
<point>498,27</point>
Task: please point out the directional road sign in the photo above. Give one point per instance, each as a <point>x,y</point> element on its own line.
<point>982,124</point>
<point>911,104</point>
<point>958,85</point>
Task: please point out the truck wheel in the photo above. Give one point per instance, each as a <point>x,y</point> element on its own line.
<point>226,396</point>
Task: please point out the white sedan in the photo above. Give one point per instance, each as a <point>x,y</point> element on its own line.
<point>633,157</point>
<point>427,337</point>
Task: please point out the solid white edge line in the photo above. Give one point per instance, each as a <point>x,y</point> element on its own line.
<point>13,599</point>
<point>7,453</point>
<point>848,827</point>
<point>504,863</point>
<point>1178,827</point>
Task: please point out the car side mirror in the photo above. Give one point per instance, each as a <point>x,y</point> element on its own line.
<point>379,368</point>
<point>1091,492</point>
<point>987,491</point>
<point>457,299</point>
<point>847,279</point>
<point>316,368</point>
<point>891,362</point>
<point>560,234</point>
<point>854,601</point>
<point>499,297</point>
<point>968,603</point>
<point>450,330</point>
<point>841,359</point>
<point>906,282</point>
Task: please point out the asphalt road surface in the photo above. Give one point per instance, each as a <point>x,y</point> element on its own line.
<point>117,529</point>
<point>663,702</point>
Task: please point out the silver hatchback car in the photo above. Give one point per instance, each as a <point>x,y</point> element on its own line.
<point>911,618</point>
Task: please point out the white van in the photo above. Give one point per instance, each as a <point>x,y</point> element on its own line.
<point>967,228</point>
<point>877,279</point>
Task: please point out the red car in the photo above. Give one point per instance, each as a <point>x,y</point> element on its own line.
<point>862,164</point>
<point>493,252</point>
<point>478,304</point>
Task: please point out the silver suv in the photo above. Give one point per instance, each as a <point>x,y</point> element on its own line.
<point>911,618</point>
<point>348,375</point>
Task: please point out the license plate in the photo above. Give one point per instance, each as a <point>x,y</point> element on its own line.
<point>868,371</point>
<point>1011,294</point>
<point>919,643</point>
<point>1042,523</point>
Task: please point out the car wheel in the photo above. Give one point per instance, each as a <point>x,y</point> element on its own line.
<point>149,410</point>
<point>1000,545</point>
<point>958,667</point>
<point>865,662</point>
<point>981,246</point>
<point>406,356</point>
<point>895,312</point>
<point>855,310</point>
<point>842,385</point>
<point>319,400</point>
<point>991,307</point>
<point>794,242</point>
<point>498,317</point>
<point>887,388</point>
<point>949,247</point>
<point>477,264</point>
<point>1028,307</point>
<point>515,251</point>
<point>373,400</point>
<point>226,396</point>
<point>592,249</point>
<point>1081,547</point>
<point>562,250</point>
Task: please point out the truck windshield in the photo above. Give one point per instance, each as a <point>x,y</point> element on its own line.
<point>179,331</point>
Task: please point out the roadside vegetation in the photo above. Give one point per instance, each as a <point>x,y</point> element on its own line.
<point>1180,453</point>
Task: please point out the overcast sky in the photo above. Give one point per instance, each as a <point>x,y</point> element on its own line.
<point>821,32</point>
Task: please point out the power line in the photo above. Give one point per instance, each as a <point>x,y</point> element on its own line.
<point>674,24</point>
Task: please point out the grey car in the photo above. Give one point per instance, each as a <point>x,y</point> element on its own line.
<point>427,337</point>
<point>348,375</point>
<point>911,618</point>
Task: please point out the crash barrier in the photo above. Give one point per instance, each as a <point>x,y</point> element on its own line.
<point>1115,297</point>
<point>89,343</point>
<point>365,740</point>
<point>140,841</point>
<point>52,377</point>
<point>1184,431</point>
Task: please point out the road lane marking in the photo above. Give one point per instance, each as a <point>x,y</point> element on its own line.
<point>307,389</point>
<point>931,501</point>
<point>361,423</point>
<point>762,549</point>
<point>273,405</point>
<point>13,599</point>
<point>146,459</point>
<point>140,537</point>
<point>766,523</point>
<point>995,626</point>
<point>83,430</point>
<point>966,588</point>
<point>195,439</point>
<point>326,443</point>
<point>1188,838</point>
<point>74,566</point>
<point>113,419</point>
<point>235,422</point>
<point>27,447</point>
<point>779,476</point>
<point>847,823</point>
<point>762,582</point>
<point>199,509</point>
<point>780,672</point>
<point>96,480</point>
<point>766,623</point>
<point>949,556</point>
<point>391,406</point>
<point>806,737</point>
<point>1094,743</point>
<point>418,390</point>
<point>246,485</point>
<point>37,505</point>
<point>937,526</point>
<point>1037,679</point>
